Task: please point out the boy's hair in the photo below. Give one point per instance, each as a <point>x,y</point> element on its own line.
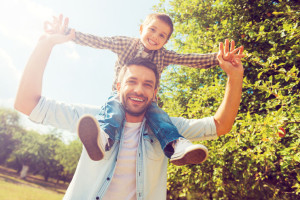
<point>143,62</point>
<point>163,17</point>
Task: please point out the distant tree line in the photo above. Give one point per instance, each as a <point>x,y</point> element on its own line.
<point>30,151</point>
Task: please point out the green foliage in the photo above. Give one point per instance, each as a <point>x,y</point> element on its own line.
<point>252,161</point>
<point>68,156</point>
<point>8,127</point>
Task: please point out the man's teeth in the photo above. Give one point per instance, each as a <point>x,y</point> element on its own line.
<point>136,99</point>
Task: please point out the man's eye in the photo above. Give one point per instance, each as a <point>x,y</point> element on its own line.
<point>148,85</point>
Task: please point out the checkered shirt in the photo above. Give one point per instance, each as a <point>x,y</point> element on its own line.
<point>128,48</point>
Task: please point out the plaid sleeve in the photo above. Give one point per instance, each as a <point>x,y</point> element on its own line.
<point>191,60</point>
<point>116,44</point>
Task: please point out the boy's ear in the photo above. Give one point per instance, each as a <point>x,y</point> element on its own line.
<point>141,29</point>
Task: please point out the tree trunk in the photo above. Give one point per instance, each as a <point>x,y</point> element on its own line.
<point>24,171</point>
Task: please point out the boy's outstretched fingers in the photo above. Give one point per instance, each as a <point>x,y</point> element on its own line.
<point>59,25</point>
<point>232,45</point>
<point>221,52</point>
<point>48,27</point>
<point>241,55</point>
<point>226,47</point>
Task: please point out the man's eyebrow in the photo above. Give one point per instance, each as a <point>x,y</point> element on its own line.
<point>132,78</point>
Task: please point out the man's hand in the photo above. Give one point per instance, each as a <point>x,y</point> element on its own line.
<point>55,30</point>
<point>30,88</point>
<point>230,54</point>
<point>226,113</point>
<point>231,68</point>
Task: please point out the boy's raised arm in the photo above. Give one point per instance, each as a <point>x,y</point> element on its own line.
<point>116,44</point>
<point>30,87</point>
<point>202,61</point>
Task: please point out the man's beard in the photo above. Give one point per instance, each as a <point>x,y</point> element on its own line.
<point>132,112</point>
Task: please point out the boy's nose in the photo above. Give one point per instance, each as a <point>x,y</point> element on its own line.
<point>155,37</point>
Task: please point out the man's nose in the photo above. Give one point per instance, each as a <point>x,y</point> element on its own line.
<point>139,89</point>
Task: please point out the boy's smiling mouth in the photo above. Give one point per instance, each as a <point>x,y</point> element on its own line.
<point>151,42</point>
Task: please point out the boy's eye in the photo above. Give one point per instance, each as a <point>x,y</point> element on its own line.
<point>162,36</point>
<point>152,29</point>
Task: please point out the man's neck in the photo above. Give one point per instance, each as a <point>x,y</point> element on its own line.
<point>134,119</point>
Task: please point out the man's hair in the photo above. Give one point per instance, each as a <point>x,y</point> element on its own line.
<point>163,17</point>
<point>143,62</point>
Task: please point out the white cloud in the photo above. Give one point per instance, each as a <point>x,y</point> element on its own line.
<point>7,103</point>
<point>71,52</point>
<point>9,76</point>
<point>22,20</point>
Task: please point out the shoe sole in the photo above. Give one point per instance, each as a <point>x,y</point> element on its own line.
<point>89,133</point>
<point>191,156</point>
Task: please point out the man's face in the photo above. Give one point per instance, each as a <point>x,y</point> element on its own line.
<point>155,34</point>
<point>137,91</point>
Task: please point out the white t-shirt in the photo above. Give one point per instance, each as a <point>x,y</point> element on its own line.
<point>123,183</point>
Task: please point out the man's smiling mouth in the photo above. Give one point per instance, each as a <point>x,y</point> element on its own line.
<point>136,99</point>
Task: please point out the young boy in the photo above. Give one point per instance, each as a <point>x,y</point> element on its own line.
<point>154,34</point>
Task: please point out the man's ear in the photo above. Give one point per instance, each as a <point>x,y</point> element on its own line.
<point>118,87</point>
<point>155,93</point>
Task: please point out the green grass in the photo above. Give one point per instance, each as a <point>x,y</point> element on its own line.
<point>13,188</point>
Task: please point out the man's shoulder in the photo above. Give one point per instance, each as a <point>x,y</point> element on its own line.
<point>47,106</point>
<point>203,128</point>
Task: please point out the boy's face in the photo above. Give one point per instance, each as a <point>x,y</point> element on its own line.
<point>154,35</point>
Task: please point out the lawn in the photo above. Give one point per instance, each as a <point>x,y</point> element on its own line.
<point>33,188</point>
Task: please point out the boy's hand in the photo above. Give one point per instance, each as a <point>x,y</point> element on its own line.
<point>55,31</point>
<point>230,54</point>
<point>233,69</point>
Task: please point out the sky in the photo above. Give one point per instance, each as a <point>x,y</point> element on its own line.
<point>74,74</point>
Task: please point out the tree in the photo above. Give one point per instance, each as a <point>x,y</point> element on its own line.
<point>48,164</point>
<point>9,125</point>
<point>68,156</point>
<point>25,155</point>
<point>253,161</point>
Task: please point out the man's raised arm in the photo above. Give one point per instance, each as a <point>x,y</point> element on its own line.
<point>226,113</point>
<point>30,88</point>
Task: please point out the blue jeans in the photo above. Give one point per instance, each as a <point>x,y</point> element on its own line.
<point>112,116</point>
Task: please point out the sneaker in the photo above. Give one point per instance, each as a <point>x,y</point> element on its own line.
<point>89,133</point>
<point>186,153</point>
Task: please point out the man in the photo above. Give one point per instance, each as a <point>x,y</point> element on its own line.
<point>135,166</point>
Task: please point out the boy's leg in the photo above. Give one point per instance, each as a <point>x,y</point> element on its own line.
<point>175,146</point>
<point>97,140</point>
